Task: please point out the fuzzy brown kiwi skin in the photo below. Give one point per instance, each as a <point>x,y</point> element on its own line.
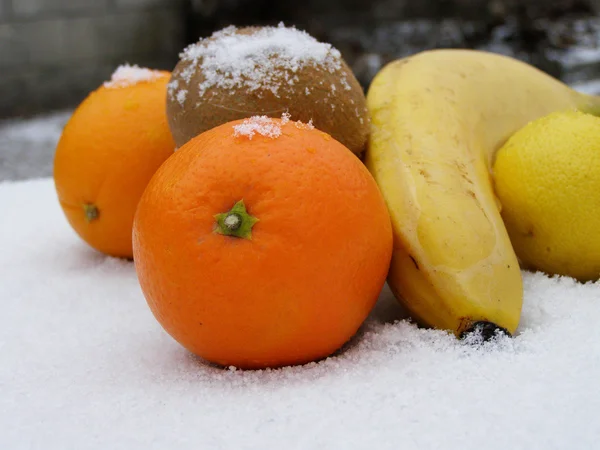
<point>347,121</point>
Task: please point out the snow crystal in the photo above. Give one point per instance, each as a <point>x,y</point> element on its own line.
<point>175,93</point>
<point>345,83</point>
<point>128,75</point>
<point>263,125</point>
<point>258,61</point>
<point>266,126</point>
<point>304,126</point>
<point>85,365</point>
<point>181,95</point>
<point>172,87</point>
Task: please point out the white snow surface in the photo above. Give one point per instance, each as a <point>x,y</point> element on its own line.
<point>84,365</point>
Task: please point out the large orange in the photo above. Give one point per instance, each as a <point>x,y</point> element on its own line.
<point>108,151</point>
<point>307,264</point>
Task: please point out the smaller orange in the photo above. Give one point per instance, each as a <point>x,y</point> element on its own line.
<point>262,243</point>
<point>108,151</point>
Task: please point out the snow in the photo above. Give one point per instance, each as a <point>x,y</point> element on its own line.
<point>263,125</point>
<point>266,126</point>
<point>26,146</point>
<point>181,96</point>
<point>576,56</point>
<point>591,87</point>
<point>229,59</point>
<point>584,49</point>
<point>84,364</point>
<point>129,75</point>
<point>309,125</point>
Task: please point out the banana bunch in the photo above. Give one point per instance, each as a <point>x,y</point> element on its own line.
<point>438,118</point>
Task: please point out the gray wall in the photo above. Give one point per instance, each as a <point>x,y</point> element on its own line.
<point>53,52</point>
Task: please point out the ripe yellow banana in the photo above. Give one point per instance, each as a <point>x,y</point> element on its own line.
<point>438,118</point>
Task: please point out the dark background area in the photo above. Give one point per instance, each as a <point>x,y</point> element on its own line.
<point>54,52</point>
<point>371,33</point>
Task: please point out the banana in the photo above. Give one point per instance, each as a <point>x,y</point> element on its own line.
<point>438,118</point>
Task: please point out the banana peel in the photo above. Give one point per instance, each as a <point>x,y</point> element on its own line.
<point>437,120</point>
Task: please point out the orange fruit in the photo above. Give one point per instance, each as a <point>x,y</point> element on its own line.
<point>108,151</point>
<point>262,243</point>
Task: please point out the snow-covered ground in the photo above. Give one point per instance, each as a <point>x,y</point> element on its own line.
<point>84,364</point>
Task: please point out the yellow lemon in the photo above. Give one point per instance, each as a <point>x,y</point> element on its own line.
<point>547,178</point>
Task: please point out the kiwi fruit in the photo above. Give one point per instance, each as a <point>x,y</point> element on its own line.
<point>266,71</point>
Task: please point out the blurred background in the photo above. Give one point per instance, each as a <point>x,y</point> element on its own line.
<point>53,52</point>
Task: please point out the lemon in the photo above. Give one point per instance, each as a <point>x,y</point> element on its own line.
<point>547,178</point>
